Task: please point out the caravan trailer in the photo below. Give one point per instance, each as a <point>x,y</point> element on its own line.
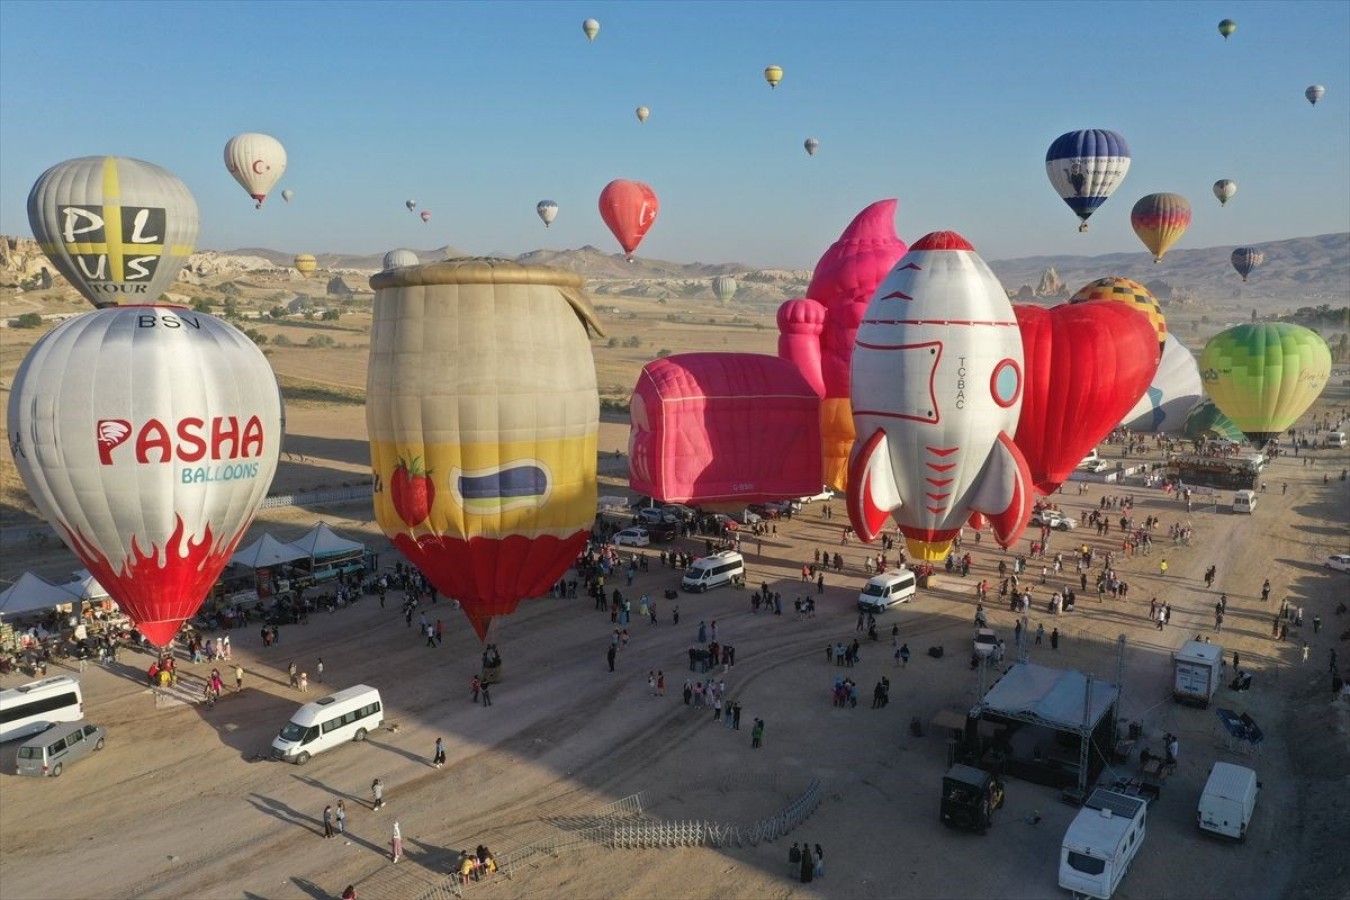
<point>1101,842</point>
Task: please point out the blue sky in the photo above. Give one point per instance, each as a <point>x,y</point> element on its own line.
<point>479,110</point>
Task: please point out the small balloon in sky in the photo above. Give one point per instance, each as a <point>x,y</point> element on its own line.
<point>1314,93</point>
<point>426,215</point>
<point>306,264</point>
<point>642,113</point>
<point>811,145</point>
<point>773,75</point>
<point>1227,27</point>
<point>288,195</point>
<point>1160,220</point>
<point>591,28</point>
<point>411,204</point>
<point>257,162</point>
<point>1225,189</point>
<point>547,210</point>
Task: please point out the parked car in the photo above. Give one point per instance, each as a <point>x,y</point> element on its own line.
<point>985,642</point>
<point>50,752</point>
<point>766,510</point>
<point>680,511</point>
<point>749,517</point>
<point>1054,519</point>
<point>633,537</point>
<point>664,532</point>
<point>654,516</point>
<point>825,494</point>
<point>1340,562</point>
<point>722,521</point>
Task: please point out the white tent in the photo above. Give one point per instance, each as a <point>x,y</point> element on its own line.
<point>33,592</point>
<point>1063,699</point>
<point>84,585</point>
<point>321,541</point>
<point>267,551</point>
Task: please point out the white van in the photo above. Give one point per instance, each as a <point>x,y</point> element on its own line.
<point>49,753</point>
<point>36,706</point>
<point>1101,842</point>
<point>1228,800</point>
<point>329,721</point>
<point>1335,439</point>
<point>713,571</point>
<point>1244,502</point>
<point>887,588</point>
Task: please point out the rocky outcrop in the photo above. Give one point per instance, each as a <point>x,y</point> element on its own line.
<point>23,262</point>
<point>337,287</point>
<point>1051,285</point>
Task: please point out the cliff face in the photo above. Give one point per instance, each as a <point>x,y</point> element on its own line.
<point>22,260</point>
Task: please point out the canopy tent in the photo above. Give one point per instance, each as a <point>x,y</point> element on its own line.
<point>321,541</point>
<point>1063,699</point>
<point>85,586</point>
<point>33,592</point>
<point>268,551</point>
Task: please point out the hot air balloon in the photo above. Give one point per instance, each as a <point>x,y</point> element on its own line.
<point>150,456</point>
<point>642,113</point>
<point>724,286</point>
<point>1227,27</point>
<point>547,210</point>
<point>257,161</point>
<point>1131,293</point>
<point>306,264</point>
<point>1087,364</point>
<point>1225,189</point>
<point>1085,167</point>
<point>1245,259</point>
<point>591,28</point>
<point>817,332</point>
<point>483,417</point>
<point>811,145</point>
<point>629,208</point>
<point>1160,220</point>
<point>1171,396</point>
<point>397,259</point>
<point>1204,421</point>
<point>411,204</point>
<point>426,215</point>
<point>1265,376</point>
<point>288,195</point>
<point>773,75</point>
<point>1314,93</point>
<point>700,422</point>
<point>118,229</point>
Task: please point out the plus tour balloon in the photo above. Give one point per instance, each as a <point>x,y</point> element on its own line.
<point>1265,376</point>
<point>1085,168</point>
<point>118,229</point>
<point>629,208</point>
<point>483,416</point>
<point>1160,220</point>
<point>147,436</point>
<point>257,162</point>
<point>1245,259</point>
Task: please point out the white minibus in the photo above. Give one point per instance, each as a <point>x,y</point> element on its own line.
<point>329,721</point>
<point>37,706</point>
<point>713,571</point>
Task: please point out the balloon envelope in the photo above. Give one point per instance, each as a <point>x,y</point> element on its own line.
<point>773,75</point>
<point>1160,220</point>
<point>1265,376</point>
<point>147,436</point>
<point>1245,259</point>
<point>288,195</point>
<point>642,113</point>
<point>1175,391</point>
<point>306,264</point>
<point>257,162</point>
<point>1085,167</point>
<point>591,28</point>
<point>397,259</point>
<point>1225,189</point>
<point>812,145</point>
<point>1314,93</point>
<point>116,228</point>
<point>629,208</point>
<point>701,421</point>
<point>426,215</point>
<point>1205,421</point>
<point>547,211</point>
<point>483,416</point>
<point>1227,27</point>
<point>1132,294</point>
<point>411,204</point>
<point>724,287</point>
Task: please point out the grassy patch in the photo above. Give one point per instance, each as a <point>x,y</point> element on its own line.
<point>297,390</point>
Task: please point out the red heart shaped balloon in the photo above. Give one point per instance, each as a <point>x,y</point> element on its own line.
<point>1087,364</point>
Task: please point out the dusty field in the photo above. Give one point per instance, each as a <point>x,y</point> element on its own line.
<point>176,806</point>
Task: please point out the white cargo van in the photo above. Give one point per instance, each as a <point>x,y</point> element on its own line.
<point>1196,669</point>
<point>1335,439</point>
<point>713,571</point>
<point>1244,502</point>
<point>887,588</point>
<point>329,721</point>
<point>1101,842</point>
<point>1227,802</point>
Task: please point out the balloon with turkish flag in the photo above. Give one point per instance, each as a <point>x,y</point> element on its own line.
<point>629,208</point>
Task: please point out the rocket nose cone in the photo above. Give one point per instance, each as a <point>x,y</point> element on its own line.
<point>942,240</point>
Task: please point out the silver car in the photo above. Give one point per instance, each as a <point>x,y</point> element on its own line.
<point>50,752</point>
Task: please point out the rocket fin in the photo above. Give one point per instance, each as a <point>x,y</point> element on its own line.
<point>872,493</point>
<point>1003,491</point>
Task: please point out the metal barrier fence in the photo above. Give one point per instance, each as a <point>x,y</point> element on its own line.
<point>643,835</point>
<point>318,498</point>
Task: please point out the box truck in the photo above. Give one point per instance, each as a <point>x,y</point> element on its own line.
<point>1101,842</point>
<point>1196,670</point>
<point>1228,800</point>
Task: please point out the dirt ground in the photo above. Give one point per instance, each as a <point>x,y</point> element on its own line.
<point>178,806</point>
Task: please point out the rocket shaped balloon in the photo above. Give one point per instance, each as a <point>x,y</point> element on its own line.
<point>817,332</point>
<point>937,384</point>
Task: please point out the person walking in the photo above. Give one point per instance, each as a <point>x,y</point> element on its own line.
<point>1162,568</point>
<point>342,817</point>
<point>1040,633</point>
<point>327,822</point>
<point>487,697</point>
<point>610,655</point>
<point>660,683</point>
<point>238,678</point>
<point>476,685</point>
<point>1054,639</point>
<point>304,682</point>
<point>438,757</point>
<point>377,792</point>
<point>318,671</point>
<point>294,673</point>
<point>904,656</point>
<point>795,860</point>
<point>820,862</point>
<point>396,843</point>
<point>757,735</point>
